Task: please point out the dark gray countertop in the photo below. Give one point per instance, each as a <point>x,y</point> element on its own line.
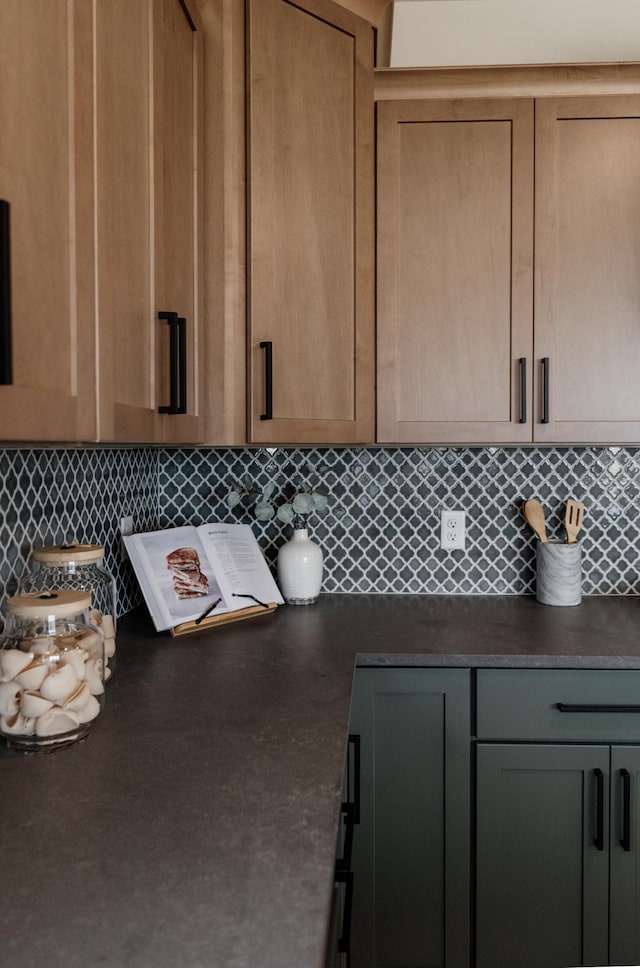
<point>196,824</point>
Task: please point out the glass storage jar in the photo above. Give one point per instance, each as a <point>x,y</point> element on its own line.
<point>51,670</point>
<point>78,567</point>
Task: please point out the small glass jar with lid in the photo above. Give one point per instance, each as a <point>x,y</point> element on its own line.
<point>51,670</point>
<point>78,567</point>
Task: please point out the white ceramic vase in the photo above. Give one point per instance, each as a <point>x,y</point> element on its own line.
<point>300,568</point>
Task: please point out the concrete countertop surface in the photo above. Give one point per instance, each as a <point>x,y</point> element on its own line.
<point>196,824</point>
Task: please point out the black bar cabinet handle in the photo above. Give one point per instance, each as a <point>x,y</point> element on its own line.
<point>598,840</point>
<point>545,390</point>
<point>6,365</point>
<point>594,708</point>
<point>625,841</point>
<point>267,346</point>
<point>523,389</point>
<point>177,363</point>
<point>353,774</point>
<point>344,941</point>
<point>182,365</point>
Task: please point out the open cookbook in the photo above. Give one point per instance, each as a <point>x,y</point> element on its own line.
<point>192,577</point>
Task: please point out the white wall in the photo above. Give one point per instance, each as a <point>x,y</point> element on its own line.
<point>435,33</point>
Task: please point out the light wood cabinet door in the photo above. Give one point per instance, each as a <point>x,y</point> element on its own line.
<point>123,219</point>
<point>178,205</point>
<point>455,248</point>
<point>45,120</point>
<point>587,280</point>
<point>311,223</point>
<point>148,145</point>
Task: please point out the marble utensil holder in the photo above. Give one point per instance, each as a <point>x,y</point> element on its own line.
<point>558,573</point>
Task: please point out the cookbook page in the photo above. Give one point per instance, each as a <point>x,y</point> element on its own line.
<point>177,577</point>
<point>243,573</point>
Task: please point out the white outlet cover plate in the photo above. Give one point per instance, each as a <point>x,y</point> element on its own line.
<point>452,529</point>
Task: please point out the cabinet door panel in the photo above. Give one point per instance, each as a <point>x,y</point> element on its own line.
<point>587,281</point>
<point>542,885</point>
<point>411,849</point>
<point>455,185</point>
<point>178,200</point>
<point>311,221</point>
<point>123,218</point>
<point>46,176</point>
<point>625,858</point>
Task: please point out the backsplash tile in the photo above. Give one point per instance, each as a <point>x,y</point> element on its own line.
<point>381,532</point>
<point>51,496</point>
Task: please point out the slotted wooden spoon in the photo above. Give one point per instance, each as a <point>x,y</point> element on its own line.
<point>534,513</point>
<point>573,516</point>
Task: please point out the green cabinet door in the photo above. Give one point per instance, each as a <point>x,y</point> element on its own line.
<point>624,947</point>
<point>411,856</point>
<point>542,853</point>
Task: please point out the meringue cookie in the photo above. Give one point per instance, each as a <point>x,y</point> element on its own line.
<point>17,725</point>
<point>32,704</point>
<point>13,661</point>
<point>32,677</point>
<point>56,721</point>
<point>9,698</point>
<point>60,683</point>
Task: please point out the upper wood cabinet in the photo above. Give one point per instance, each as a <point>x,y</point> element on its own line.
<point>587,258</point>
<point>311,224</point>
<point>455,194</point>
<point>148,145</point>
<point>45,141</point>
<point>100,163</point>
<point>461,357</point>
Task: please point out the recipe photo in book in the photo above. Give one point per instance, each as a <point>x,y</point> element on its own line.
<point>185,572</point>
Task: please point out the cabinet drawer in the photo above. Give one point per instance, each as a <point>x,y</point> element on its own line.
<point>558,704</point>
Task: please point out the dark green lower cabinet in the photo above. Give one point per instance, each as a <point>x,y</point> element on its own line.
<point>411,851</point>
<point>558,848</point>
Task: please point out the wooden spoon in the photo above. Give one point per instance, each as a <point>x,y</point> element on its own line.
<point>573,519</point>
<point>534,513</point>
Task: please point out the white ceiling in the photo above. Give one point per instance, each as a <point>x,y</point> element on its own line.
<point>431,33</point>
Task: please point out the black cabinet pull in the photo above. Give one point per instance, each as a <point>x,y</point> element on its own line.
<point>353,774</point>
<point>564,707</point>
<point>625,841</point>
<point>267,346</point>
<point>523,389</point>
<point>545,390</point>
<point>598,840</point>
<point>344,941</point>
<point>177,363</point>
<point>6,365</point>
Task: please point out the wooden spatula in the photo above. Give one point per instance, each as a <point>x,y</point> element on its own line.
<point>573,519</point>
<point>534,513</point>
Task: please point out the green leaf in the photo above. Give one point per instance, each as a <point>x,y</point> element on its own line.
<point>268,490</point>
<point>263,511</point>
<point>320,500</point>
<point>286,513</point>
<point>233,498</point>
<point>303,503</point>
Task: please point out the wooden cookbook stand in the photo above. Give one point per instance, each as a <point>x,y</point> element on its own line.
<point>213,621</point>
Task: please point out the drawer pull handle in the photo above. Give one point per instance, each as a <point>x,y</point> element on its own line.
<point>591,708</point>
<point>598,840</point>
<point>625,842</point>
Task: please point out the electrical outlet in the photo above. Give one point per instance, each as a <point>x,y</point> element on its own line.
<point>126,527</point>
<point>452,529</point>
